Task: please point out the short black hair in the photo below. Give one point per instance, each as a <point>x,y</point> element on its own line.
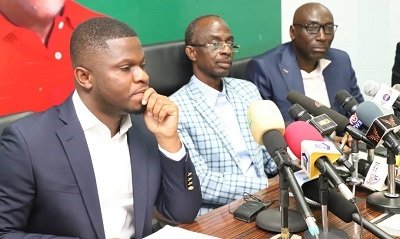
<point>91,36</point>
<point>190,33</point>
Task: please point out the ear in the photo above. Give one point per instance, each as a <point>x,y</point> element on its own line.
<point>83,77</point>
<point>292,32</point>
<point>191,53</point>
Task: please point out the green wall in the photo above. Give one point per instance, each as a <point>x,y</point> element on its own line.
<point>256,24</point>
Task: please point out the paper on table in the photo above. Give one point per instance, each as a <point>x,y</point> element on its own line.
<point>177,232</point>
<point>391,225</point>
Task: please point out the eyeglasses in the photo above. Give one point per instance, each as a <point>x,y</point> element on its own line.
<point>219,46</point>
<point>313,28</point>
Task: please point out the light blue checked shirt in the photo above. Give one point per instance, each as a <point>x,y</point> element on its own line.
<point>217,162</point>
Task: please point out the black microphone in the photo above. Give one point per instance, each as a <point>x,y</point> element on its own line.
<point>316,108</point>
<point>342,208</point>
<point>349,105</point>
<point>269,133</point>
<point>325,127</point>
<point>381,127</point>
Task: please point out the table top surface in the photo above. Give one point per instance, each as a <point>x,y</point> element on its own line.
<point>221,223</point>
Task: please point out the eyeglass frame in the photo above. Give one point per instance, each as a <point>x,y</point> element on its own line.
<point>305,26</point>
<point>218,46</point>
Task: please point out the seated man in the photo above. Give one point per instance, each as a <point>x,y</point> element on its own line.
<point>88,168</point>
<point>213,118</point>
<point>307,64</point>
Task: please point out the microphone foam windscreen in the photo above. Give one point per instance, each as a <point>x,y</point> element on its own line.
<point>367,112</point>
<point>274,141</point>
<point>298,131</point>
<point>264,115</point>
<point>337,204</point>
<point>370,88</point>
<point>315,108</point>
<point>297,112</point>
<point>345,100</point>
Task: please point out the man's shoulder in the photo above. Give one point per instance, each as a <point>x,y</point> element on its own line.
<point>272,54</point>
<point>336,53</point>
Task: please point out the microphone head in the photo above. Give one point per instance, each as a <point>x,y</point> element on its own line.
<point>298,131</point>
<point>298,113</point>
<point>370,88</point>
<point>262,116</point>
<point>346,101</point>
<point>367,112</point>
<point>315,108</point>
<point>274,141</point>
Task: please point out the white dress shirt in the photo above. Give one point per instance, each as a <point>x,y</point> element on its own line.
<point>219,101</point>
<point>314,83</point>
<point>112,167</point>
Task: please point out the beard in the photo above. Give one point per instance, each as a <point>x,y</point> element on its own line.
<point>139,111</point>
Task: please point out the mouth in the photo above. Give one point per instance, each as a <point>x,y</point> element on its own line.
<point>319,49</point>
<point>224,64</point>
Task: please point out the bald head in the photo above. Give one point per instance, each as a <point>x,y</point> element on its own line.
<point>310,9</point>
<point>192,31</point>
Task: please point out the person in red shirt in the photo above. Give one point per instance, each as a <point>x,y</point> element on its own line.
<point>35,65</point>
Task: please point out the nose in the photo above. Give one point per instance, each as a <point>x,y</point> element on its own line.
<point>321,34</point>
<point>226,49</point>
<point>140,75</point>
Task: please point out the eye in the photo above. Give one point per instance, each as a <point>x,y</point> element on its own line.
<point>125,68</point>
<point>143,65</point>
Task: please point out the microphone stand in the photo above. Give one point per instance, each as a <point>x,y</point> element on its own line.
<point>354,179</point>
<point>388,201</point>
<point>327,232</point>
<point>284,208</point>
<point>370,153</point>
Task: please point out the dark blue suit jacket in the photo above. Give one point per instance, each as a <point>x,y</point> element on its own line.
<point>276,72</point>
<point>47,182</point>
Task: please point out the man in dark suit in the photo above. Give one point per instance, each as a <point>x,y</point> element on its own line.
<point>307,64</point>
<point>88,168</point>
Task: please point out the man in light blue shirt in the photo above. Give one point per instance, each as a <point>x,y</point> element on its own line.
<point>213,118</point>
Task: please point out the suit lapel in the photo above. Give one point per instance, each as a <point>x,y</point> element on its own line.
<point>290,70</point>
<point>140,171</point>
<point>73,140</point>
<point>211,118</point>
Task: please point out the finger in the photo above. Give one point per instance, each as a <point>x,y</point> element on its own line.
<point>168,109</point>
<point>147,94</point>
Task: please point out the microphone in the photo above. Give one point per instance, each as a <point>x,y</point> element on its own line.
<point>342,208</point>
<point>316,154</point>
<point>325,127</point>
<point>315,108</point>
<point>382,94</point>
<point>381,127</point>
<point>269,133</point>
<point>349,105</point>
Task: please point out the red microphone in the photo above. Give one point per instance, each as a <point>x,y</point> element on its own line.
<point>316,154</point>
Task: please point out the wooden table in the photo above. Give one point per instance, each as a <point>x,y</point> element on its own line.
<point>220,223</point>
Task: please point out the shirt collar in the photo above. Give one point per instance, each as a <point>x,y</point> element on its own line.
<point>89,121</point>
<point>322,64</point>
<point>208,92</point>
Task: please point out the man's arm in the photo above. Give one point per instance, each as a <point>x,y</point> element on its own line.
<point>256,74</point>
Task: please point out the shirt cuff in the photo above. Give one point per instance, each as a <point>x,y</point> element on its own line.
<point>174,156</point>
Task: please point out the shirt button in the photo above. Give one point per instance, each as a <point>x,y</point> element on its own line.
<point>58,55</point>
<point>60,25</point>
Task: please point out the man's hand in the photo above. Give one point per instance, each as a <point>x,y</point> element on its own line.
<point>161,117</point>
<point>344,143</point>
